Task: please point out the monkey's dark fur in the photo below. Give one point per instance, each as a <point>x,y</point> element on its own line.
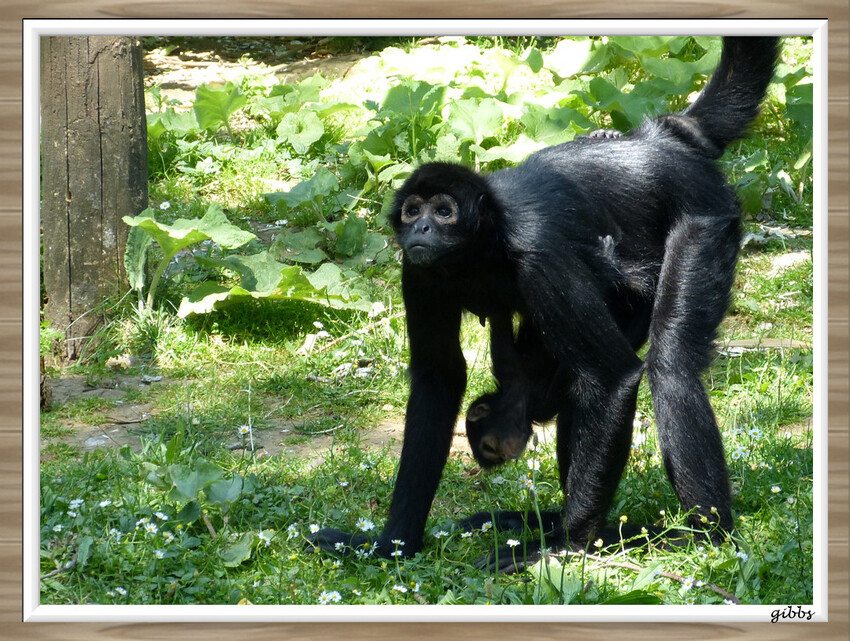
<point>598,245</point>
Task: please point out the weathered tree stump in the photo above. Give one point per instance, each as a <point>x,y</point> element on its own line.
<point>94,171</point>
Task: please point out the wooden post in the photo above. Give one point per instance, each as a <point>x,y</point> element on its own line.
<point>94,171</point>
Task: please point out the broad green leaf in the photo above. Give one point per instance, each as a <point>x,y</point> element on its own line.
<point>327,109</point>
<point>280,104</point>
<point>185,232</point>
<point>179,124</point>
<point>475,120</point>
<point>321,185</point>
<point>155,128</point>
<point>447,147</point>
<point>204,297</point>
<point>188,481</point>
<point>789,76</point>
<point>213,107</point>
<point>353,235</point>
<point>377,147</point>
<point>377,161</point>
<point>599,59</point>
<point>300,130</point>
<point>516,152</point>
<point>414,100</point>
<point>393,170</point>
<point>227,491</point>
<point>327,276</point>
<point>556,580</point>
<point>239,551</point>
<point>293,284</point>
<point>534,59</point>
<point>376,244</point>
<point>553,126</point>
<point>135,257</point>
<point>310,89</point>
<point>190,513</point>
<point>259,274</point>
<point>647,575</point>
<point>156,475</point>
<point>321,287</point>
<point>635,597</point>
<point>654,46</point>
<point>569,57</point>
<point>84,550</point>
<point>627,110</point>
<point>750,192</point>
<point>799,101</point>
<point>299,246</point>
<point>755,160</point>
<point>678,73</point>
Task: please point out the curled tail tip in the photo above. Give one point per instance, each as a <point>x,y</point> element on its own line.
<point>730,101</point>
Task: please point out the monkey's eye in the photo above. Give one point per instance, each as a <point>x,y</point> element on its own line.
<point>413,211</point>
<point>445,212</point>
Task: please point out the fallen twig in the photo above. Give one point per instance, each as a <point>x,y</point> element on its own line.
<point>675,577</point>
<point>68,566</point>
<point>362,330</point>
<point>209,525</point>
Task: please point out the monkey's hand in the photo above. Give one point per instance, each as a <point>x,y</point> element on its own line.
<point>607,134</point>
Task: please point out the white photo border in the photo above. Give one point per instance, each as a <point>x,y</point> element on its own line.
<point>33,611</point>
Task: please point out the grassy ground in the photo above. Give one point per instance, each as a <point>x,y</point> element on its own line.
<point>262,428</point>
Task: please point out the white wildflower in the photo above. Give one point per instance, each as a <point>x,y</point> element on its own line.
<point>365,525</point>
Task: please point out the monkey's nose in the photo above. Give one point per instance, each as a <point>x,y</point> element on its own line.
<point>491,449</point>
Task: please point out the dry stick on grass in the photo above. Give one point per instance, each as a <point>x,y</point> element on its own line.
<point>362,330</point>
<point>68,566</point>
<point>209,525</point>
<point>610,563</point>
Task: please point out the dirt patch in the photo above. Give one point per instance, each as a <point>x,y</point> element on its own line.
<point>76,387</point>
<point>284,439</point>
<point>118,425</point>
<point>122,423</point>
<point>782,262</point>
<point>179,75</point>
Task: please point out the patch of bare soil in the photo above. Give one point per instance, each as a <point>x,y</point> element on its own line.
<point>123,423</point>
<point>118,424</point>
<point>181,72</point>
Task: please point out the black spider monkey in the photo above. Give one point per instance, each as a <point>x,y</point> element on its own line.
<point>499,424</point>
<point>598,244</point>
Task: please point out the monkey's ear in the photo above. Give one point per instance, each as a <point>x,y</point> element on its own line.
<point>478,411</point>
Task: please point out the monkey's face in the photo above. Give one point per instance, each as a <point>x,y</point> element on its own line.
<point>429,228</point>
<point>497,429</point>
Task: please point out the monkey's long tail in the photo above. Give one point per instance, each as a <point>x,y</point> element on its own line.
<point>730,101</point>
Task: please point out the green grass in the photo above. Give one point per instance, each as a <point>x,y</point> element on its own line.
<point>150,525</point>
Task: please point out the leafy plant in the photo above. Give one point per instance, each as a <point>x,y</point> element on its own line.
<point>259,275</point>
<point>48,337</point>
<point>214,107</point>
<point>173,238</point>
